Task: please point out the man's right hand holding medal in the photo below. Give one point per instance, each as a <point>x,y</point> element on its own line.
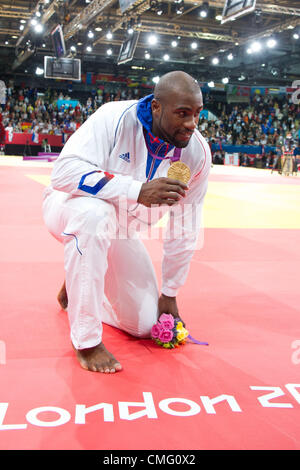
<point>161,191</point>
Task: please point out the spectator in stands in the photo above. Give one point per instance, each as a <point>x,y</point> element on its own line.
<point>10,130</point>
<point>2,135</point>
<point>46,146</point>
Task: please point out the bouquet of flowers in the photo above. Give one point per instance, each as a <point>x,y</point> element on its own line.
<point>169,332</point>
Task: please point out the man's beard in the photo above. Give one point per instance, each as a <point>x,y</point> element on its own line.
<point>171,139</point>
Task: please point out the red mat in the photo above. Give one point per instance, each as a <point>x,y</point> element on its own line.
<point>240,392</point>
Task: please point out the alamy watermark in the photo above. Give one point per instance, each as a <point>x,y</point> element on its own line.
<point>2,352</point>
<point>296,93</point>
<point>296,354</point>
<point>179,222</point>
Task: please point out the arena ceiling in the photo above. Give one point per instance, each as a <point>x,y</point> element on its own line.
<point>22,50</point>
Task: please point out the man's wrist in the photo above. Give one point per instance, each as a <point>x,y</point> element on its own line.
<point>168,296</point>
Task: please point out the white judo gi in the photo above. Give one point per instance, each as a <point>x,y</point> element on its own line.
<point>110,277</point>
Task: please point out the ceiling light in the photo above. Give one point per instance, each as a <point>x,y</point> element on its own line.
<point>39,28</point>
<point>155,79</point>
<point>230,56</point>
<point>166,57</point>
<point>271,43</point>
<point>33,21</point>
<point>98,28</point>
<point>109,52</point>
<point>174,43</point>
<point>256,46</point>
<point>211,84</point>
<point>109,35</point>
<point>90,34</point>
<point>130,26</point>
<point>225,80</point>
<point>249,50</point>
<point>39,71</point>
<point>73,48</point>
<point>159,10</point>
<point>88,48</point>
<point>21,27</point>
<point>179,7</point>
<point>22,21</point>
<point>219,17</point>
<point>152,39</point>
<point>215,61</point>
<point>296,36</point>
<point>147,55</point>
<point>204,10</point>
<point>194,45</point>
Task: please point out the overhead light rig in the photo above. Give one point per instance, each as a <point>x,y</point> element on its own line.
<point>46,14</point>
<point>174,27</point>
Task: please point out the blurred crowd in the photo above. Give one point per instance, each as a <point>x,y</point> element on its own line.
<point>266,120</point>
<point>33,111</point>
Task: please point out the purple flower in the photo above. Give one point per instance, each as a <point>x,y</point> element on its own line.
<point>155,331</point>
<point>165,336</point>
<point>167,321</point>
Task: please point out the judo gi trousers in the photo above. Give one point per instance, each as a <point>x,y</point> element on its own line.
<point>108,280</point>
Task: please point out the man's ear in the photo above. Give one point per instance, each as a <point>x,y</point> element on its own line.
<point>155,106</point>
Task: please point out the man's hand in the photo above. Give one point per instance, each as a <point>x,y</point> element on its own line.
<point>168,305</point>
<point>161,191</point>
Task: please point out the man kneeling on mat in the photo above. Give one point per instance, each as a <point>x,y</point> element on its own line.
<point>147,153</point>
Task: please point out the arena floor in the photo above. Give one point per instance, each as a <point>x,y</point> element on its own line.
<point>242,297</point>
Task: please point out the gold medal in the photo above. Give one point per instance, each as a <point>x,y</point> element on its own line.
<point>179,171</point>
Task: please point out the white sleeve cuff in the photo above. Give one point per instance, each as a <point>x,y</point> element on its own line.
<point>169,291</point>
<point>134,190</point>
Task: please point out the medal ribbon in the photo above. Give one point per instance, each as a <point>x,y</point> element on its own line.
<point>196,341</point>
<point>176,155</point>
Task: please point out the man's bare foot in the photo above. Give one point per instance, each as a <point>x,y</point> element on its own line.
<point>62,297</point>
<point>97,359</point>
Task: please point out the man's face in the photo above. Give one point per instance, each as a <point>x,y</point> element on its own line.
<point>176,117</point>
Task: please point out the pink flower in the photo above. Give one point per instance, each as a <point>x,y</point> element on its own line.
<point>167,321</point>
<point>165,336</point>
<point>155,331</point>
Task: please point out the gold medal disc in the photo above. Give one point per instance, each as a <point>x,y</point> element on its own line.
<point>179,171</point>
